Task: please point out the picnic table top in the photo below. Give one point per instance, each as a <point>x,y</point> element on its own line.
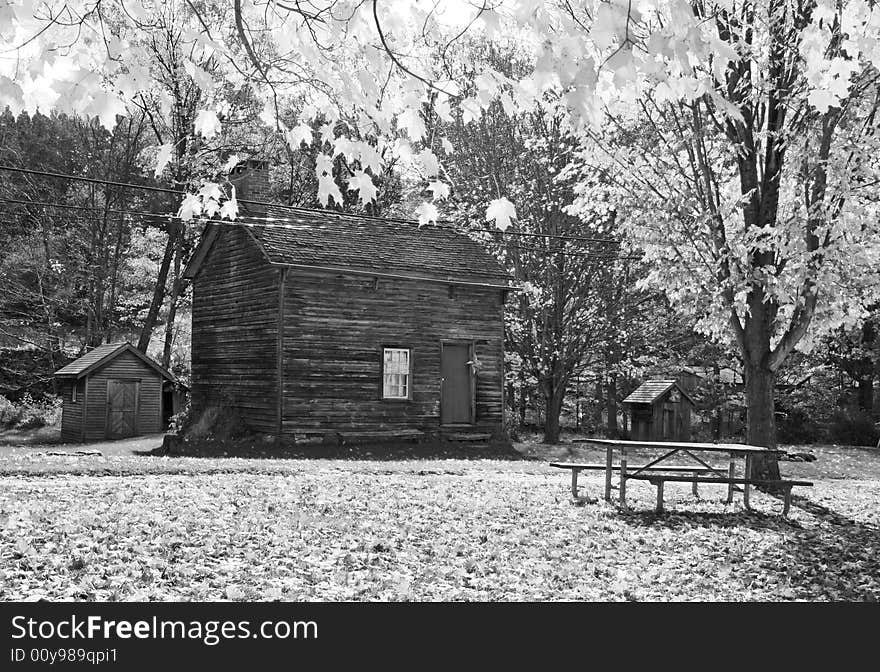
<point>742,448</point>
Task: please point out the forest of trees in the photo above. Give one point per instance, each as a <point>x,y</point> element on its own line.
<point>710,226</point>
<point>82,266</point>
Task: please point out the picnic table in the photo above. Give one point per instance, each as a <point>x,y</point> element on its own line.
<point>699,470</point>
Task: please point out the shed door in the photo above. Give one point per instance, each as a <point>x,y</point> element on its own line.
<point>456,391</point>
<point>121,408</point>
<point>668,423</point>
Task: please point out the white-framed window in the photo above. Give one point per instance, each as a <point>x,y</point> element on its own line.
<point>396,373</point>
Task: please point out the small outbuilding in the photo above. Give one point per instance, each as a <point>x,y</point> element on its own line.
<point>660,410</point>
<point>112,392</point>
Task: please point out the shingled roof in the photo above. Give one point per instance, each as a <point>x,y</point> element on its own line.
<point>651,390</point>
<point>339,241</point>
<point>103,354</point>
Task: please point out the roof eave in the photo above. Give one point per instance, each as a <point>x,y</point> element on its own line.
<point>128,347</point>
<point>401,276</point>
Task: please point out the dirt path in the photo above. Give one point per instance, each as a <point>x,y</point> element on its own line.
<point>138,444</point>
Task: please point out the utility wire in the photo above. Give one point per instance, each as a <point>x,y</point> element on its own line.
<point>587,255</point>
<point>261,222</point>
<point>168,190</point>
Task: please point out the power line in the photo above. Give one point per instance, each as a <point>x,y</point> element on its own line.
<point>555,236</point>
<point>70,206</point>
<point>168,190</point>
<point>259,222</point>
<point>587,255</point>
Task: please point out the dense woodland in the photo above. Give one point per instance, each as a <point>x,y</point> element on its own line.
<point>679,238</point>
<point>82,266</point>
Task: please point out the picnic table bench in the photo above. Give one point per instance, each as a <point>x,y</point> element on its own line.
<point>785,485</point>
<point>658,471</point>
<point>576,468</point>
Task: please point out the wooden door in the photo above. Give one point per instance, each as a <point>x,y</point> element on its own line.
<point>456,388</point>
<point>668,423</point>
<point>122,402</point>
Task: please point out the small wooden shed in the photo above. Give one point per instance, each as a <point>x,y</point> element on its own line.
<point>111,392</point>
<point>660,410</point>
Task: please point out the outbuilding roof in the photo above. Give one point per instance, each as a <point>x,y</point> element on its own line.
<point>336,241</point>
<point>651,390</point>
<point>102,354</point>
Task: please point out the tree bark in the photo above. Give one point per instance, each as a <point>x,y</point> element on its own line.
<point>866,394</point>
<point>760,419</point>
<point>554,392</point>
<point>173,300</point>
<point>158,291</point>
<point>717,393</point>
<point>611,406</point>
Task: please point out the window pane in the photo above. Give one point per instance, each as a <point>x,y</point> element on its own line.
<point>395,373</point>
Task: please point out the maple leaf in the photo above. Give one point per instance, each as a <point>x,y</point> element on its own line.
<point>427,213</point>
<point>11,95</point>
<point>822,100</point>
<point>323,164</point>
<point>439,190</point>
<point>207,124</point>
<point>298,135</point>
<point>328,188</point>
<point>430,165</point>
<point>163,157</point>
<point>441,107</point>
<point>201,78</point>
<point>210,207</point>
<point>190,207</point>
<point>106,108</point>
<point>229,209</point>
<point>501,211</point>
<point>363,183</point>
<point>470,108</point>
<point>210,190</point>
<point>411,121</point>
<point>231,163</point>
<point>327,134</point>
<point>370,158</point>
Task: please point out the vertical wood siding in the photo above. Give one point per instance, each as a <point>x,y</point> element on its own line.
<point>235,331</point>
<point>71,412</point>
<point>123,367</point>
<point>335,327</point>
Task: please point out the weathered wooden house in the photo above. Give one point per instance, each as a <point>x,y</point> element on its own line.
<point>112,392</point>
<point>660,410</point>
<point>320,323</point>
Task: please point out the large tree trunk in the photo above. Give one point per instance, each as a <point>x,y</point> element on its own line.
<point>611,406</point>
<point>554,394</point>
<point>760,419</point>
<point>158,291</point>
<point>866,394</point>
<point>173,300</point>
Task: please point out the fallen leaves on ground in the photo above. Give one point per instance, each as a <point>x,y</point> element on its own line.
<point>214,529</point>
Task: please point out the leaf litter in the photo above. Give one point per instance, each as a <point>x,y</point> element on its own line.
<point>185,529</point>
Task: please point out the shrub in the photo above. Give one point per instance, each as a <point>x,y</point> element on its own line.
<point>8,413</point>
<point>512,428</point>
<point>30,413</point>
<point>798,426</point>
<point>853,428</point>
<point>181,420</point>
<point>215,422</point>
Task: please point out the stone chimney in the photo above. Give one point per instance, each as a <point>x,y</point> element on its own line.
<point>251,180</point>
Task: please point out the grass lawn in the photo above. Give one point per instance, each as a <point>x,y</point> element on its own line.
<point>124,526</point>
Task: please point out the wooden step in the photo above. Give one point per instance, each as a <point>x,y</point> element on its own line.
<point>468,436</point>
